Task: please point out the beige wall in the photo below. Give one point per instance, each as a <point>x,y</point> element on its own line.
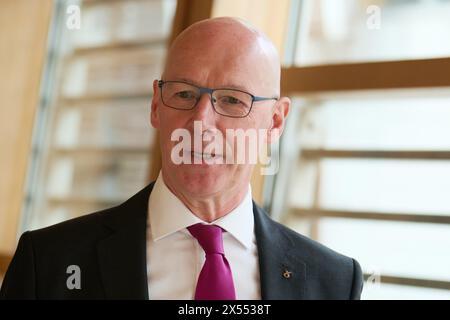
<point>23,34</point>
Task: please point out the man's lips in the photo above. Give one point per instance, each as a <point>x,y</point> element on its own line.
<point>205,155</point>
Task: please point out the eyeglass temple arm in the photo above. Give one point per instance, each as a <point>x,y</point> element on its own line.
<point>255,98</point>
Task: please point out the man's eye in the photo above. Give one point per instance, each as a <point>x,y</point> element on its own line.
<point>230,100</point>
<point>185,95</point>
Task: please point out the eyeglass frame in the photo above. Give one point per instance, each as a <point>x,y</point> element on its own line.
<point>210,91</point>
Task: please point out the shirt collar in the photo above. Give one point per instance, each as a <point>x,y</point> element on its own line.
<point>167,215</point>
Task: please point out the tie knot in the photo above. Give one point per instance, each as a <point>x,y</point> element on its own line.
<point>208,236</point>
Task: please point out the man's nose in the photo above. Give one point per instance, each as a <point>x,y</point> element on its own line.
<point>204,110</point>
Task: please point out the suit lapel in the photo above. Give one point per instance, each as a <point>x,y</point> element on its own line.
<point>122,255</point>
<point>283,276</point>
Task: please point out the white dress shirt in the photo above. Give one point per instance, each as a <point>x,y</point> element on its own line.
<point>174,257</point>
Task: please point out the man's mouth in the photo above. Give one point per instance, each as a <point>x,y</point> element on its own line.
<point>202,155</point>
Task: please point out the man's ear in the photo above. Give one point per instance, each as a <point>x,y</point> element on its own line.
<point>279,117</point>
<point>154,116</point>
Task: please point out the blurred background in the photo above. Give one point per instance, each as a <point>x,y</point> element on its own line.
<point>364,161</point>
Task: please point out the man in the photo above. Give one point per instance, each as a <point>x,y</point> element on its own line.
<point>194,233</point>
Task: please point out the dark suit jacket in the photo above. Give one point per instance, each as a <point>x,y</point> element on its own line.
<point>110,248</point>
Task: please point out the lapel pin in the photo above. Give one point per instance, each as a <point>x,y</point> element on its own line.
<point>287,274</point>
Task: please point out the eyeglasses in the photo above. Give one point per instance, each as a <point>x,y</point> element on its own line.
<point>227,102</point>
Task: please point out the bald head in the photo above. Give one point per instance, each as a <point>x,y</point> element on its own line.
<point>225,52</point>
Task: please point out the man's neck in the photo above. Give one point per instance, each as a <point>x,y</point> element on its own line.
<point>214,206</point>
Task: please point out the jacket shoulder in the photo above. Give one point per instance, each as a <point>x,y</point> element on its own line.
<point>329,274</point>
<point>333,274</point>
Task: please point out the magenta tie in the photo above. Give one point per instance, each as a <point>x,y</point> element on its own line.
<point>215,281</point>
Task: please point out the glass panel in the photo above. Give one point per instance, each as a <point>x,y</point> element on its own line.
<point>56,212</point>
<point>376,122</point>
<point>337,31</point>
<point>101,176</point>
<point>95,124</point>
<point>386,185</point>
<point>119,21</point>
<point>302,191</point>
<point>406,249</point>
<point>118,72</point>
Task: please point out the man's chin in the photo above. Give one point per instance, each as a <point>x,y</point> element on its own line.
<point>202,181</point>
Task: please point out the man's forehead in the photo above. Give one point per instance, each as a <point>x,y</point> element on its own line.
<point>247,76</point>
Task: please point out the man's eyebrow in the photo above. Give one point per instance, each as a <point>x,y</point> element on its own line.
<point>227,86</point>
